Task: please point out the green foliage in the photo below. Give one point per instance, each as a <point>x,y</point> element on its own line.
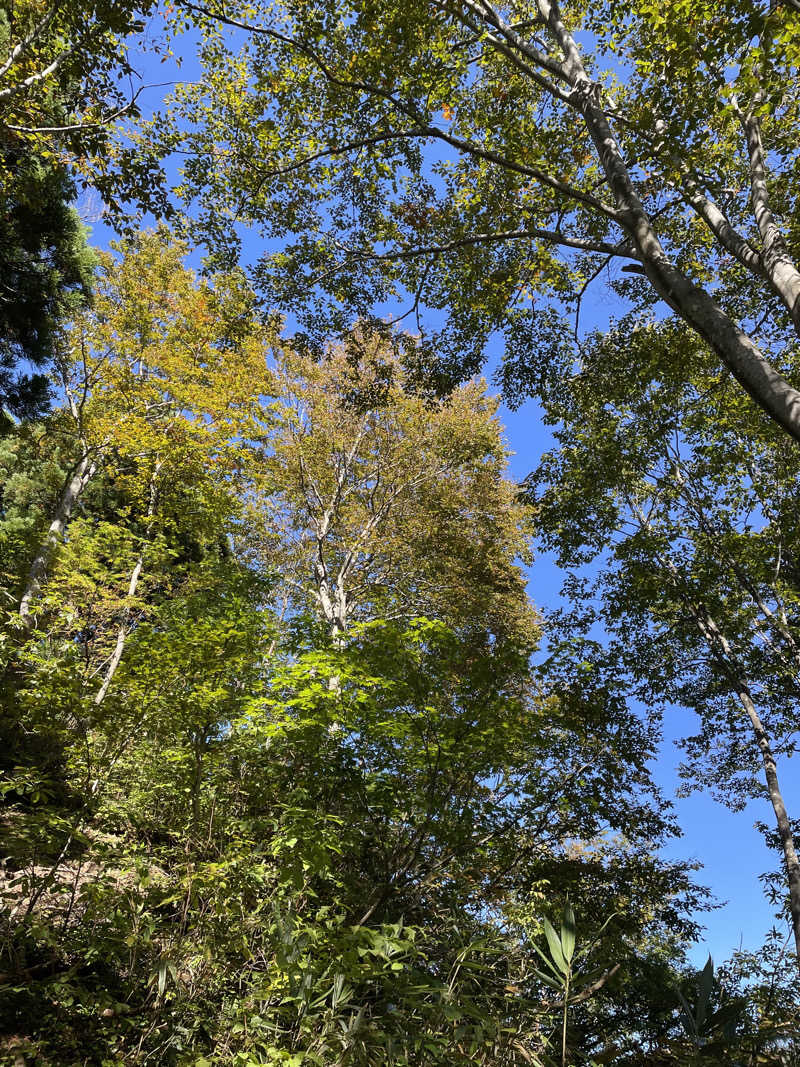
<point>68,78</point>
<point>239,836</point>
<point>47,273</point>
<point>323,875</point>
<point>482,166</point>
<point>693,525</point>
<point>398,504</point>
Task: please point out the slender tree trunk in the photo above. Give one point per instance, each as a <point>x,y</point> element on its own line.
<point>70,494</point>
<point>771,391</point>
<point>782,272</point>
<point>790,857</point>
<point>199,742</point>
<point>124,628</point>
<point>721,650</point>
<point>122,634</point>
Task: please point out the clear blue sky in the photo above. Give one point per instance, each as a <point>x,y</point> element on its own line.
<point>732,852</point>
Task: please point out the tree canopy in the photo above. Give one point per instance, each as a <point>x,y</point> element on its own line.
<point>490,161</point>
<point>47,271</point>
<point>293,769</point>
<point>696,531</point>
<point>65,80</point>
<point>388,504</point>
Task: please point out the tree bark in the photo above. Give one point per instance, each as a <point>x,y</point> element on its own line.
<point>771,391</point>
<point>781,271</point>
<point>122,634</point>
<point>70,494</point>
<point>779,399</point>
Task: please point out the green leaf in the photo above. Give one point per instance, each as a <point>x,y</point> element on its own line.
<point>554,944</point>
<point>553,983</point>
<point>704,988</point>
<point>568,933</point>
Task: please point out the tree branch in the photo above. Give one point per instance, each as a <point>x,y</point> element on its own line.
<point>22,47</point>
<point>411,113</point>
<point>39,76</point>
<point>534,234</point>
<point>781,270</point>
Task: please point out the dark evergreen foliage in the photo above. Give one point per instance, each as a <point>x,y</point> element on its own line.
<point>46,271</point>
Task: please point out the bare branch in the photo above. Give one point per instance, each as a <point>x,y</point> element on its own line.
<point>533,234</point>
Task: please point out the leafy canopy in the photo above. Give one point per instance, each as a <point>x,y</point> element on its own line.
<point>487,162</point>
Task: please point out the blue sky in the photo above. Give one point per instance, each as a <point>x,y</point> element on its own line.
<point>732,852</point>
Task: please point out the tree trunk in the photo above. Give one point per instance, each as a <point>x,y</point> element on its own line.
<point>770,390</point>
<point>70,494</point>
<point>781,817</point>
<point>721,651</point>
<point>779,399</point>
<point>781,271</point>
<point>122,633</point>
<point>720,647</point>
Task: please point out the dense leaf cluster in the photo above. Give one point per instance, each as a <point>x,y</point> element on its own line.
<point>292,771</point>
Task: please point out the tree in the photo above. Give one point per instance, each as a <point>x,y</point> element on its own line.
<point>66,77</point>
<point>125,499</point>
<point>47,274</point>
<point>384,503</point>
<point>695,534</point>
<point>109,501</point>
<point>273,866</point>
<point>65,80</point>
<point>486,159</point>
<point>150,390</point>
<point>453,792</point>
<point>230,836</point>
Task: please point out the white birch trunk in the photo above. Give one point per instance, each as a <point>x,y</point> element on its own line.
<point>70,494</point>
